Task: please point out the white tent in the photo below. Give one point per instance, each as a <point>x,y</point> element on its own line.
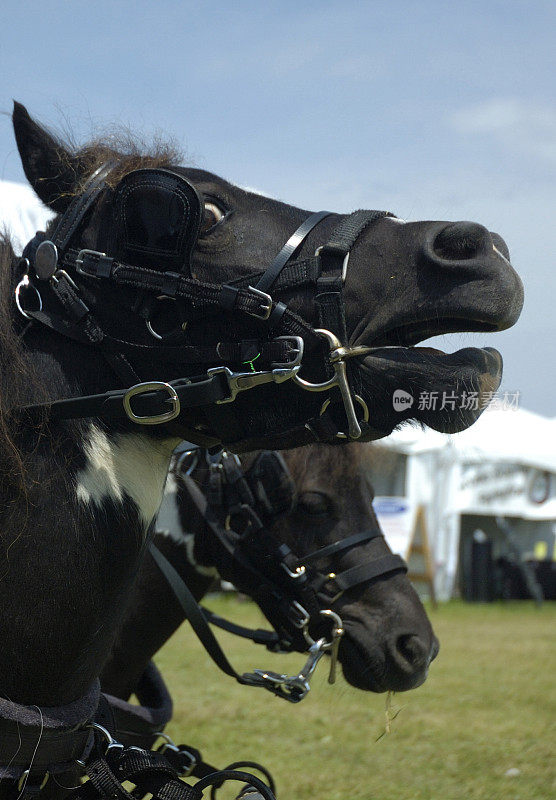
<point>504,465</point>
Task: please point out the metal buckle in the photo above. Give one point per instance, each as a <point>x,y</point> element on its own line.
<point>339,379</point>
<point>304,617</point>
<point>22,782</point>
<point>79,262</point>
<point>111,743</point>
<point>266,306</point>
<point>319,250</point>
<point>153,386</point>
<point>184,770</point>
<point>298,346</point>
<point>295,687</point>
<point>299,571</point>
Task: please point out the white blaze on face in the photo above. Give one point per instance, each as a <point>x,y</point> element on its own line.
<point>128,465</point>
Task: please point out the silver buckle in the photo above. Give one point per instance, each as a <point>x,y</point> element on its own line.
<point>153,386</point>
<point>79,262</point>
<point>297,352</point>
<point>266,305</point>
<point>344,262</point>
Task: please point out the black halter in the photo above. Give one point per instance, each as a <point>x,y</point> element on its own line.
<point>170,240</point>
<point>296,594</point>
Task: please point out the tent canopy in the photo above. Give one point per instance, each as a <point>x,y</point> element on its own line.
<point>512,435</point>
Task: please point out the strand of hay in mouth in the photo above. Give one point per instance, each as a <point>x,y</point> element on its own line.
<point>390,715</point>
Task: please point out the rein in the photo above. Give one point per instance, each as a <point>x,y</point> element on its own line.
<point>279,354</point>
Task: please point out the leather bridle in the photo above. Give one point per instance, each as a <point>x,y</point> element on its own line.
<point>59,271</point>
<point>296,593</point>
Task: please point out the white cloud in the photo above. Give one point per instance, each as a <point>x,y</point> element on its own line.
<point>515,124</point>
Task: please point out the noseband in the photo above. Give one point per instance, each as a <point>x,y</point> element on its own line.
<point>285,338</point>
<point>296,594</point>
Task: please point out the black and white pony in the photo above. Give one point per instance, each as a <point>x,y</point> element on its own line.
<point>154,276</point>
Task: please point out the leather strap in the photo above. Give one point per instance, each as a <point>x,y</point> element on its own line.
<point>265,283</point>
<point>362,573</point>
<point>192,393</point>
<point>341,545</point>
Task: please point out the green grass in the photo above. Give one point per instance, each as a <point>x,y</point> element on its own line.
<point>488,706</point>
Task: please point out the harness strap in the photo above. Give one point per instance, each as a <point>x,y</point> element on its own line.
<point>193,612</point>
<point>363,573</point>
<point>138,725</point>
<point>341,545</point>
<point>248,300</point>
<point>196,618</point>
<point>257,635</point>
<point>75,213</point>
<point>344,236</point>
<point>270,276</point>
<point>151,402</point>
<point>45,739</point>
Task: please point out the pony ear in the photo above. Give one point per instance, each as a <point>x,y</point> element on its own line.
<point>53,171</point>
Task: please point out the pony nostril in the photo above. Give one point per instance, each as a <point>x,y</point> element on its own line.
<point>462,241</point>
<point>413,650</point>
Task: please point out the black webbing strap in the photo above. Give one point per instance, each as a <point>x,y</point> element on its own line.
<point>344,236</point>
<point>341,545</point>
<point>200,294</point>
<point>270,276</point>
<point>153,774</point>
<point>333,258</point>
<point>138,725</point>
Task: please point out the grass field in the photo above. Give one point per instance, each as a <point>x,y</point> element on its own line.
<point>488,707</point>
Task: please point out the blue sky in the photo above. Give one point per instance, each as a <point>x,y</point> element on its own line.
<point>431,109</point>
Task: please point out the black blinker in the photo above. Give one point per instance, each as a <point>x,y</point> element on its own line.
<point>271,483</point>
<point>157,216</point>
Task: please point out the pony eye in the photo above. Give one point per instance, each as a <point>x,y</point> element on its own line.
<point>315,504</point>
<point>213,214</point>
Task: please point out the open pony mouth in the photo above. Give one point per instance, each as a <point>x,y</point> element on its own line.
<point>446,391</point>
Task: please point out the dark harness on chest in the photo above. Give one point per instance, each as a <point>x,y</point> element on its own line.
<point>155,220</point>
